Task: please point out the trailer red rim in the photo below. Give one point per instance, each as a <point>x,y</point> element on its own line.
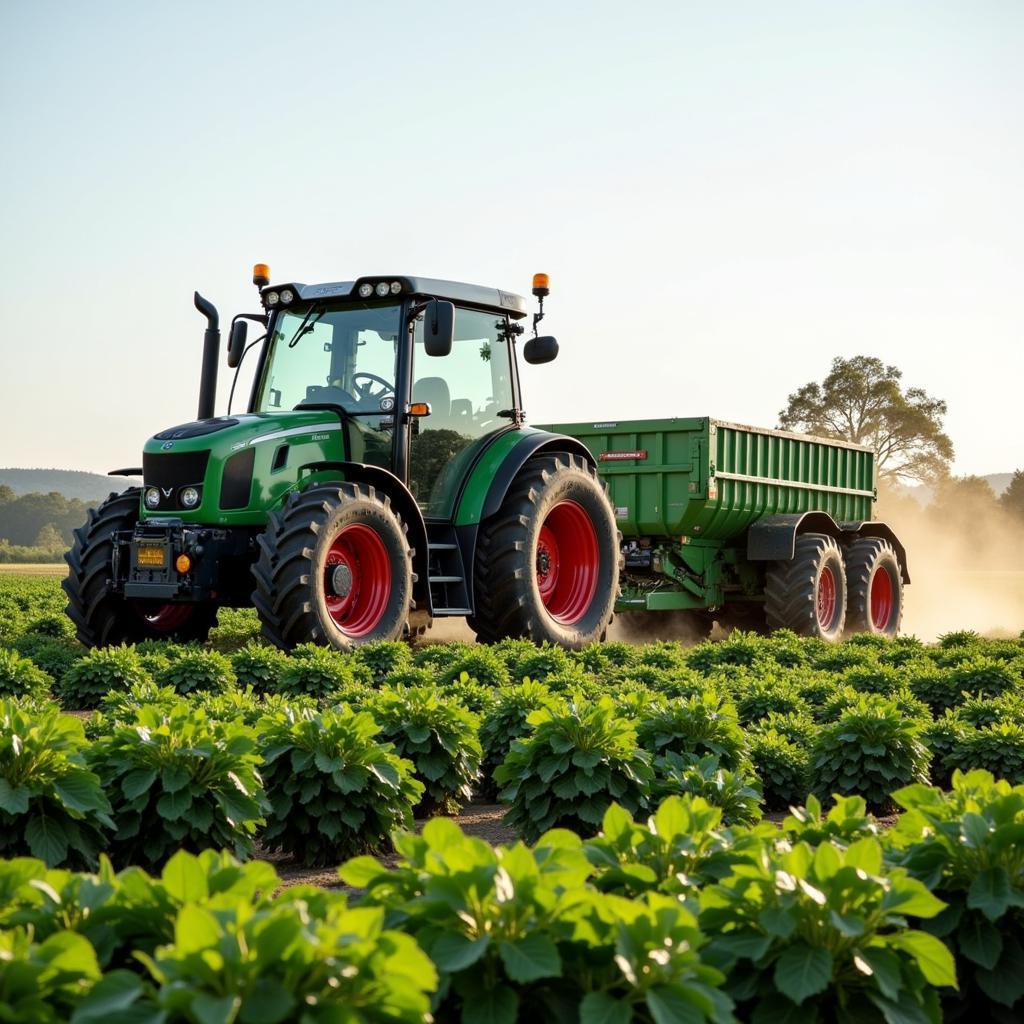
<point>567,562</point>
<point>826,599</point>
<point>881,598</point>
<point>165,618</point>
<point>357,580</point>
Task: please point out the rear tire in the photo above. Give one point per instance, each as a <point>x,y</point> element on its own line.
<point>875,588</point>
<point>808,593</point>
<point>334,568</point>
<point>547,565</point>
<point>102,617</point>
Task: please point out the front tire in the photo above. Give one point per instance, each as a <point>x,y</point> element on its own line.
<point>875,587</point>
<point>807,594</point>
<point>334,568</point>
<point>547,565</point>
<point>102,617</point>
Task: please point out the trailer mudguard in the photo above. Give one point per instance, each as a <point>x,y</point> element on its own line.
<point>402,502</point>
<point>873,528</point>
<point>773,538</point>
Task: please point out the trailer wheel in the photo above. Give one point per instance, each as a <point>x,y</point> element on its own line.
<point>875,587</point>
<point>807,594</point>
<point>334,568</point>
<point>547,565</point>
<point>102,617</point>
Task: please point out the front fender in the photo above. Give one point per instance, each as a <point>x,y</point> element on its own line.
<point>402,502</point>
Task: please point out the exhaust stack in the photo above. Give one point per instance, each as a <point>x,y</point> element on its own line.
<point>211,347</point>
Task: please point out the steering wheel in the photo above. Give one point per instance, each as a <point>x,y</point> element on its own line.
<point>365,392</point>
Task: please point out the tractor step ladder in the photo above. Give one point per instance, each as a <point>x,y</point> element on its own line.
<point>449,594</point>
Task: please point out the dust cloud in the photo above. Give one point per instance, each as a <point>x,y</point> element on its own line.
<point>966,567</point>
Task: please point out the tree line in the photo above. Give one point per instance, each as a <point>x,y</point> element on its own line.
<point>37,527</point>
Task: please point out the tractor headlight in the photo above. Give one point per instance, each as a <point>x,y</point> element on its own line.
<point>365,290</point>
<point>383,288</point>
<point>272,298</point>
<point>152,498</point>
<point>396,287</point>
<point>190,497</point>
<point>287,296</point>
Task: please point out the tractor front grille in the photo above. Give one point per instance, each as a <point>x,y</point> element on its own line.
<point>169,472</point>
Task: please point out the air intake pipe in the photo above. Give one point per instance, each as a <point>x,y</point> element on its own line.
<point>211,348</point>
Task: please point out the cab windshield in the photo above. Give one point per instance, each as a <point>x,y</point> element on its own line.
<point>343,357</point>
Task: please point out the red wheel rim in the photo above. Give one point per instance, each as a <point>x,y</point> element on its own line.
<point>356,580</point>
<point>826,603</point>
<point>165,618</point>
<point>567,562</point>
<point>881,598</point>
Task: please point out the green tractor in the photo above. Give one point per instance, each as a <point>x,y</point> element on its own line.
<point>382,475</point>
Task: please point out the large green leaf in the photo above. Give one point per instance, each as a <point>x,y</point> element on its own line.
<point>268,1002</point>
<point>174,805</point>
<point>184,878</point>
<point>113,992</point>
<point>980,940</point>
<point>137,782</point>
<point>990,892</point>
<point>213,1010</point>
<point>803,971</point>
<point>601,1008</point>
<point>47,839</point>
<point>932,955</point>
<point>454,952</point>
<point>195,929</point>
<point>80,791</point>
<point>530,958</point>
<point>668,1006</point>
<point>13,800</point>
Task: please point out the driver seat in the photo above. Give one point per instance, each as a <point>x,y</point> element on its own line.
<point>434,390</point>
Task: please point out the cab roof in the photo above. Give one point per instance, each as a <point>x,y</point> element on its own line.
<point>427,287</point>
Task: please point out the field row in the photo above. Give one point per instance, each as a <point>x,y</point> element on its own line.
<point>675,919</point>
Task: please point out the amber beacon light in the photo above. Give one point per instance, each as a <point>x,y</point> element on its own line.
<point>261,275</point>
<point>540,285</point>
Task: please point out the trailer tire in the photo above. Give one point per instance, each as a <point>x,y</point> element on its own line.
<point>807,593</point>
<point>547,565</point>
<point>874,585</point>
<point>102,617</point>
<point>334,568</point>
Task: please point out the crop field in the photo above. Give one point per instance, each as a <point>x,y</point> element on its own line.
<point>759,829</point>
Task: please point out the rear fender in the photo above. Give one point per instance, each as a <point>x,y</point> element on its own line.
<point>491,478</point>
<point>402,502</point>
<point>773,538</point>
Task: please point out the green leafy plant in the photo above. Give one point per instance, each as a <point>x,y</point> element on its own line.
<point>996,748</point>
<point>179,779</point>
<point>823,929</point>
<point>123,706</point>
<point>967,847</point>
<point>294,960</point>
<point>54,655</point>
<point>474,696</point>
<point>101,670</point>
<point>481,664</point>
<point>315,671</point>
<point>334,789</point>
<point>51,805</point>
<point>438,737</point>
<point>782,766</point>
<point>796,727</point>
<point>259,666</point>
<point>383,658</point>
<point>758,697</point>
<point>198,671</point>
<point>870,751</point>
<point>570,766</point>
<point>737,793</point>
<point>703,724</point>
<point>542,662</point>
<point>20,678</point>
<point>846,821</point>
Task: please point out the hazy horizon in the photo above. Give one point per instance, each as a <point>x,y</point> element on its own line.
<point>725,198</point>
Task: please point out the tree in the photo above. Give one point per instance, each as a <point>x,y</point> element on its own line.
<point>861,401</point>
<point>1012,499</point>
<point>49,538</point>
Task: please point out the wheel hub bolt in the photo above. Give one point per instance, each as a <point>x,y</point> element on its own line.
<point>543,563</point>
<point>341,580</point>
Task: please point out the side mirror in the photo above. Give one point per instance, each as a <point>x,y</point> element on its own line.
<point>236,342</point>
<point>540,350</point>
<point>438,327</point>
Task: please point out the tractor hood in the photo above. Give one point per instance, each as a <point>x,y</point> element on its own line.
<point>232,470</point>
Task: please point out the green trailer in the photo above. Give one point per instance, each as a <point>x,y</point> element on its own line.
<point>747,527</point>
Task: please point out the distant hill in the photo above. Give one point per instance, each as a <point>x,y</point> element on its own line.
<point>72,483</point>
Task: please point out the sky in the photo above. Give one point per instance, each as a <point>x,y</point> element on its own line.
<point>725,196</point>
